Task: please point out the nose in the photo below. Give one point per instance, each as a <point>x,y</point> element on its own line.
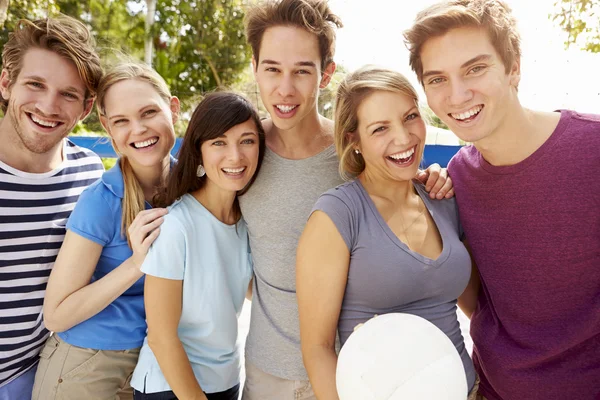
<point>459,93</point>
<point>234,154</point>
<point>48,104</point>
<point>286,86</point>
<point>402,136</point>
<point>137,127</point>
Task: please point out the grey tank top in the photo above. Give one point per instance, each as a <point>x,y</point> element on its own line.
<point>385,276</point>
<point>276,208</point>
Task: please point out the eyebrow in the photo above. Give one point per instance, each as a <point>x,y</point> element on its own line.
<point>241,136</point>
<point>72,89</point>
<point>481,57</point>
<point>298,64</point>
<point>141,109</point>
<point>377,122</point>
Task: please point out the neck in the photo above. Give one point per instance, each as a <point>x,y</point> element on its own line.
<point>14,153</point>
<point>309,137</point>
<point>151,177</point>
<point>218,202</point>
<point>521,134</point>
<point>401,193</point>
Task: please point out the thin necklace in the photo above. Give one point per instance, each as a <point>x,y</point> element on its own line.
<point>405,229</point>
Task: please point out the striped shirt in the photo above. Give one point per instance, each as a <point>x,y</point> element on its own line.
<point>33,212</point>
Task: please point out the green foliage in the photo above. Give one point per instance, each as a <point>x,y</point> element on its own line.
<point>109,163</point>
<point>430,117</point>
<point>580,19</point>
<point>198,44</point>
<point>327,95</point>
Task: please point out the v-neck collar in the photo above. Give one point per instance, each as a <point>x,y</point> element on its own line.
<point>392,236</point>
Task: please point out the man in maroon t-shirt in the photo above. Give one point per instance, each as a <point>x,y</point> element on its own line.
<point>533,230</point>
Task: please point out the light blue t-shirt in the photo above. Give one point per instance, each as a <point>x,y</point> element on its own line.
<point>214,261</point>
<point>97,217</point>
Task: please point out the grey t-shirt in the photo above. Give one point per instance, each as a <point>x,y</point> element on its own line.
<point>276,209</point>
<point>385,276</point>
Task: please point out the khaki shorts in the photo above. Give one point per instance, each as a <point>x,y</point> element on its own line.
<point>68,372</point>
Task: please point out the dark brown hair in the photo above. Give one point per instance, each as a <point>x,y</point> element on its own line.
<point>313,16</point>
<point>216,114</point>
<point>62,35</point>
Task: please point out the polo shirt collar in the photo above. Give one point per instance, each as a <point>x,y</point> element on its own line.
<point>113,178</point>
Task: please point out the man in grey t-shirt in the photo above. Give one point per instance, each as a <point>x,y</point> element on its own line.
<point>292,44</point>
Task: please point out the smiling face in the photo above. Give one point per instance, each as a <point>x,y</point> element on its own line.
<point>231,159</point>
<point>46,100</point>
<point>466,83</point>
<point>288,74</point>
<point>140,122</point>
<point>391,134</point>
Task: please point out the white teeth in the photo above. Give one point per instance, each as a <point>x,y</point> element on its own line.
<point>404,154</point>
<point>145,143</point>
<point>467,114</point>
<point>42,122</point>
<point>285,109</point>
<point>234,170</point>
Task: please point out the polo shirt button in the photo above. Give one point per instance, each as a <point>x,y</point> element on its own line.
<point>59,380</point>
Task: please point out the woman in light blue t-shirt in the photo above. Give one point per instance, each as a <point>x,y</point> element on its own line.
<point>198,270</point>
<point>94,299</point>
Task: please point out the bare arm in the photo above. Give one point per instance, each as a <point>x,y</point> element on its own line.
<point>467,301</point>
<point>70,297</point>
<point>249,291</point>
<point>321,274</point>
<point>163,302</point>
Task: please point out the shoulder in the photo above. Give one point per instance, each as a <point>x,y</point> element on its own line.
<point>466,157</point>
<point>81,154</point>
<point>587,123</point>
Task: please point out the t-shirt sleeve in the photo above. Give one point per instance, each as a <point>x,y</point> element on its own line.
<point>340,213</point>
<point>93,217</point>
<point>166,257</point>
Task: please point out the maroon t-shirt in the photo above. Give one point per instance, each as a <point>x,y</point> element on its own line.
<point>534,228</point>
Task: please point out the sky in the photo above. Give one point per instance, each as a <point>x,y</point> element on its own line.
<point>551,77</point>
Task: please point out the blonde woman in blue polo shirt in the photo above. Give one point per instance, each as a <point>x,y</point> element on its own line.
<point>94,298</point>
<point>199,268</point>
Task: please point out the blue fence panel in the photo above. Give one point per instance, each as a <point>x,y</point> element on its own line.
<point>101,145</point>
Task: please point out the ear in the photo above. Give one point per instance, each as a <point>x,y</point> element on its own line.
<point>515,73</point>
<point>5,84</point>
<point>87,107</point>
<point>175,108</point>
<point>327,75</point>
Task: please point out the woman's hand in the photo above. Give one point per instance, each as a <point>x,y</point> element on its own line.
<point>143,231</point>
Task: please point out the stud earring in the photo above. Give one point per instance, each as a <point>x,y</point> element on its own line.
<point>357,151</point>
<point>200,172</point>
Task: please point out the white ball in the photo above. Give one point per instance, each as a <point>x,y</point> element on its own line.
<point>400,356</point>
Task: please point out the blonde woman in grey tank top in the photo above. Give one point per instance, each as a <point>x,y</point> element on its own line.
<point>378,244</point>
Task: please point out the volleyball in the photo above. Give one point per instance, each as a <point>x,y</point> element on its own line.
<point>400,356</point>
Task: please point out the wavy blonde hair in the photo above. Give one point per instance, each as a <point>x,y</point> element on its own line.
<point>355,87</point>
<point>133,198</point>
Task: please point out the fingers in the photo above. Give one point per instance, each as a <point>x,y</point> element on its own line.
<point>443,192</point>
<point>146,216</point>
<point>150,239</point>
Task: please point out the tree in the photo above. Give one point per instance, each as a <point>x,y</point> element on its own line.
<point>580,19</point>
<point>198,44</point>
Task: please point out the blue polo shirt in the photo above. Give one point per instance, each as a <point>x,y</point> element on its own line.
<point>97,217</point>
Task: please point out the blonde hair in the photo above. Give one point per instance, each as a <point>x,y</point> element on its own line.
<point>314,16</point>
<point>133,198</point>
<point>495,16</point>
<point>355,87</point>
<point>62,35</point>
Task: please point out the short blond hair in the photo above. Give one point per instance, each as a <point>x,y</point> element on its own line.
<point>313,16</point>
<point>62,35</point>
<point>495,16</point>
<point>355,87</point>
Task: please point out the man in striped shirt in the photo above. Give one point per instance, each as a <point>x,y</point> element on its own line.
<point>48,83</point>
